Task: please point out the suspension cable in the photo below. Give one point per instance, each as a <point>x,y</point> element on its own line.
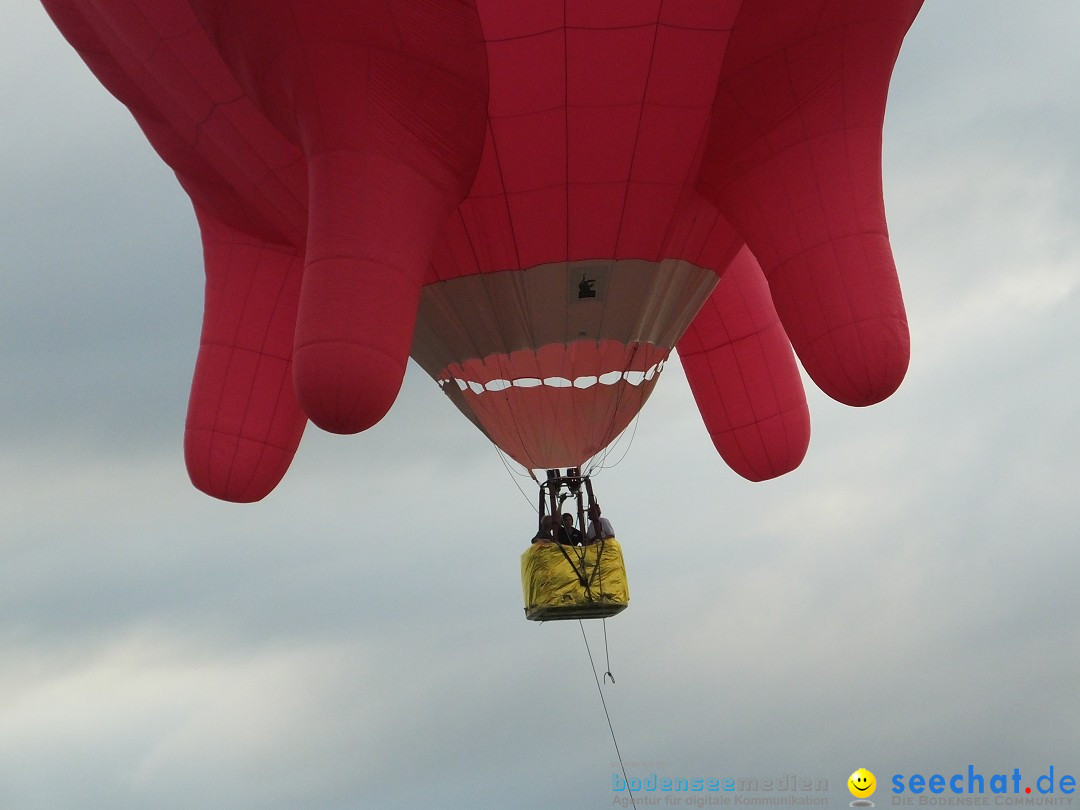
<point>514,475</point>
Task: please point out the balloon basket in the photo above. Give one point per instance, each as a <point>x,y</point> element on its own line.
<point>561,582</point>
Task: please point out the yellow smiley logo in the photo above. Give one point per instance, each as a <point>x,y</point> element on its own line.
<point>862,783</point>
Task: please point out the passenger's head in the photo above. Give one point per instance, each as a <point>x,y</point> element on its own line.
<point>567,520</point>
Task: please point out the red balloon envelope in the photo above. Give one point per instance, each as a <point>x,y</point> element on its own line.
<point>537,200</point>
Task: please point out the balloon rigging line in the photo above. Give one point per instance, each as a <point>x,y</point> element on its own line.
<point>602,463</point>
<point>607,715</point>
<point>630,443</point>
<point>598,463</point>
<point>619,394</point>
<point>514,475</point>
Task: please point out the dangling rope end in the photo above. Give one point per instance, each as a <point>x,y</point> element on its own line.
<point>618,753</point>
<point>609,675</point>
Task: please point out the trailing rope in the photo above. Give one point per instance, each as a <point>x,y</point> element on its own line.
<point>603,703</point>
<point>607,655</point>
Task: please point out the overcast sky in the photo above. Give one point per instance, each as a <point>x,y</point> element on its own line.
<point>904,601</point>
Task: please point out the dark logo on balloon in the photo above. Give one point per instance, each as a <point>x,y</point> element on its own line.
<point>586,288</point>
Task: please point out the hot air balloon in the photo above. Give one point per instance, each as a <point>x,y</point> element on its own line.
<point>536,200</point>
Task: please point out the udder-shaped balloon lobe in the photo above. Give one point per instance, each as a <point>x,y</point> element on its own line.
<point>387,103</point>
<point>793,159</point>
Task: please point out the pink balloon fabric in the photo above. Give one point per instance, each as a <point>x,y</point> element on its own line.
<point>538,201</point>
